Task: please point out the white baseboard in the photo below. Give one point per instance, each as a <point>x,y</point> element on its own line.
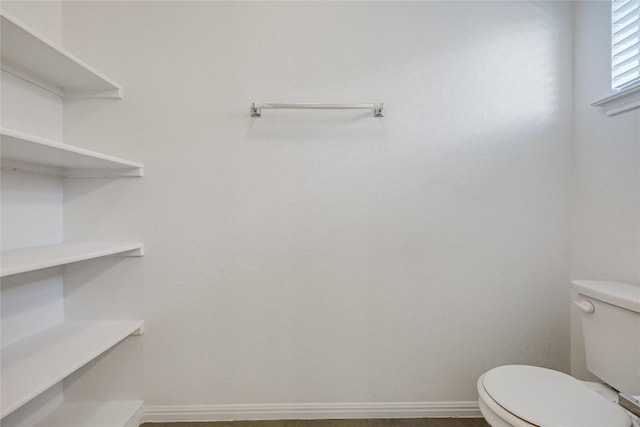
<point>299,411</point>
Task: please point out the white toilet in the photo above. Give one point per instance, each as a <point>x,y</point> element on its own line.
<point>530,396</point>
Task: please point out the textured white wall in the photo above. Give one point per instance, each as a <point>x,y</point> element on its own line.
<point>331,256</point>
<point>43,16</point>
<point>606,209</point>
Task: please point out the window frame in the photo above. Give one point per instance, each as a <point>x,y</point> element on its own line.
<point>626,96</point>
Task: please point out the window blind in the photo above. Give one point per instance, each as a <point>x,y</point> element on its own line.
<point>625,43</point>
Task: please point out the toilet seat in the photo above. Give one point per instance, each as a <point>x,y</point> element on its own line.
<point>495,414</point>
<point>534,396</point>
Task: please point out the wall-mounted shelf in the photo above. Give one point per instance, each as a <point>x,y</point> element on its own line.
<point>28,153</point>
<point>32,365</point>
<point>116,413</point>
<point>30,259</point>
<point>34,58</point>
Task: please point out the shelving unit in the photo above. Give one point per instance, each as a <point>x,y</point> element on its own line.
<point>41,361</point>
<point>32,365</point>
<point>94,414</point>
<point>28,153</point>
<point>31,259</point>
<point>36,59</point>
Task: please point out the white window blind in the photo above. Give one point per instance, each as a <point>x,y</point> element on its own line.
<point>625,43</point>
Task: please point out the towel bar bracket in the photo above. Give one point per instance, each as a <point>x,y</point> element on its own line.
<point>255,111</point>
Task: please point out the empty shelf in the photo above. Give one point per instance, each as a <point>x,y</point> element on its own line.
<point>30,153</point>
<point>115,413</point>
<point>32,365</point>
<point>29,259</point>
<point>34,58</point>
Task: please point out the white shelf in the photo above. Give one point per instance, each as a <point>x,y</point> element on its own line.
<point>28,153</point>
<point>34,58</point>
<point>32,365</point>
<point>29,259</point>
<point>116,413</point>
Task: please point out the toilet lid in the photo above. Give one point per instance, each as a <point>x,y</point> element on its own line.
<point>547,398</point>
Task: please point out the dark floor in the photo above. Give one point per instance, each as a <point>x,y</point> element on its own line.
<point>397,422</point>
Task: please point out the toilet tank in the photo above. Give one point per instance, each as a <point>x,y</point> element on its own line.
<point>610,315</point>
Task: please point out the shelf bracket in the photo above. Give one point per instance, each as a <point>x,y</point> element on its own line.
<point>81,94</point>
<point>133,172</point>
<point>139,331</point>
<point>132,253</point>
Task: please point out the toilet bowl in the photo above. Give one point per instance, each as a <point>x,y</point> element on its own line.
<point>530,396</point>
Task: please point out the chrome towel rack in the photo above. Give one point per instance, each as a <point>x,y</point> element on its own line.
<point>256,109</point>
